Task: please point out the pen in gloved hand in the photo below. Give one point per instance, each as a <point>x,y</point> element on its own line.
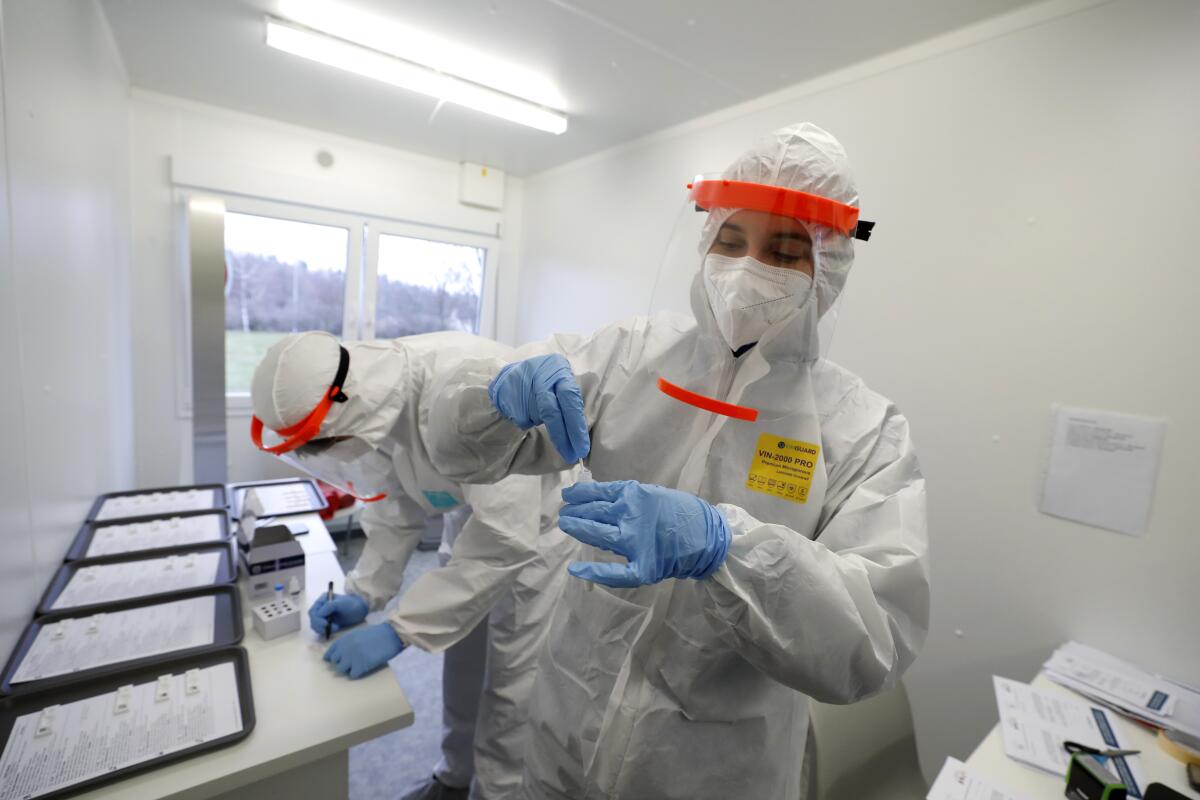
<point>329,619</point>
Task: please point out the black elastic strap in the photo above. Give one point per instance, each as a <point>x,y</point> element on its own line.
<point>862,230</point>
<point>339,380</point>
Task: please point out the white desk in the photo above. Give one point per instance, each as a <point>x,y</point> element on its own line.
<point>308,716</point>
<point>989,758</point>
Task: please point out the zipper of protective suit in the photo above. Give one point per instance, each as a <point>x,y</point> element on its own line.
<point>658,611</point>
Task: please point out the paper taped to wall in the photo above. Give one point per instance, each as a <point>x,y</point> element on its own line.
<point>1102,468</point>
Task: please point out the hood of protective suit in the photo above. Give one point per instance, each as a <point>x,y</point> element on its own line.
<point>805,158</point>
<point>297,371</point>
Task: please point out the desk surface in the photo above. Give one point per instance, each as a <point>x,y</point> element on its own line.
<point>304,710</point>
<point>317,540</point>
<point>989,758</point>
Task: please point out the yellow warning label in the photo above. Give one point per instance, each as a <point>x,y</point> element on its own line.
<point>783,467</point>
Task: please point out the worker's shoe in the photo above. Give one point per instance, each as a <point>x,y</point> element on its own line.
<point>436,790</point>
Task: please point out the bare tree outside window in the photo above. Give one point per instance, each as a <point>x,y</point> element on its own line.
<point>426,286</point>
<point>284,276</point>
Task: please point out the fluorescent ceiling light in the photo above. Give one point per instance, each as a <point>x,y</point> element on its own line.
<point>346,20</point>
<point>407,74</point>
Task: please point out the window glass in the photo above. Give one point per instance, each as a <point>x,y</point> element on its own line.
<point>425,286</point>
<point>283,276</point>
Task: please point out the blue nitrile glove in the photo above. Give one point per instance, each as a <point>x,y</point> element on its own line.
<point>664,533</point>
<point>543,391</point>
<point>364,650</point>
<point>343,611</point>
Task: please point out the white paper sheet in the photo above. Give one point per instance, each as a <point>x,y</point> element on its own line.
<point>957,781</point>
<point>105,583</point>
<point>89,738</point>
<point>1034,725</point>
<point>1134,691</point>
<point>171,532</point>
<point>278,499</point>
<point>1102,468</point>
<point>154,503</point>
<point>1110,678</point>
<point>71,645</point>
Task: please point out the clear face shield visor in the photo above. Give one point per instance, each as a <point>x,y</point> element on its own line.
<point>760,266</point>
<point>347,463</point>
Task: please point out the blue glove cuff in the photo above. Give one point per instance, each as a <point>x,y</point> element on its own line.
<point>517,416</point>
<point>494,386</point>
<point>364,607</point>
<point>395,636</point>
<point>719,538</point>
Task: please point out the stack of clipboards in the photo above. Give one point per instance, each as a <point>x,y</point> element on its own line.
<point>131,661</point>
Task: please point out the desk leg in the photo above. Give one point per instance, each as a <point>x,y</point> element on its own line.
<point>325,779</point>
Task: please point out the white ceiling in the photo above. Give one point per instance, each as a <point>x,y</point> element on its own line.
<point>625,67</point>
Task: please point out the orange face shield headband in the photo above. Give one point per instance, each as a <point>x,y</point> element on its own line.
<point>843,218</point>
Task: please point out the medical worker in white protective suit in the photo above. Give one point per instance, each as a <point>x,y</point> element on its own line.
<point>756,537</point>
<point>349,414</point>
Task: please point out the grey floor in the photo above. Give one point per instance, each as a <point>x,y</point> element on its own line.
<point>384,768</point>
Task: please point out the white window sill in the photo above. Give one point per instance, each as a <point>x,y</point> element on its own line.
<point>237,404</point>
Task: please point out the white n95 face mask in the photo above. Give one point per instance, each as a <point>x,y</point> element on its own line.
<point>748,297</point>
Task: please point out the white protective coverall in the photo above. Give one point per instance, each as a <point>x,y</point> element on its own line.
<point>699,688</point>
<point>508,558</point>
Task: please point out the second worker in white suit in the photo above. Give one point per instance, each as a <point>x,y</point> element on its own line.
<point>757,536</point>
<point>349,414</point>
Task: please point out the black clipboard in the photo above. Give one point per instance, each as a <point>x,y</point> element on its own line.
<point>226,574</point>
<point>18,705</point>
<point>316,496</point>
<point>83,539</point>
<point>220,500</point>
<point>228,630</point>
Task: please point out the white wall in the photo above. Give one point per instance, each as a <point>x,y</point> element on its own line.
<point>1035,184</point>
<point>64,237</point>
<point>211,149</point>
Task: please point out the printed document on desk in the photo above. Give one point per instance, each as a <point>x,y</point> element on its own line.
<point>957,781</point>
<point>1034,725</point>
<point>174,532</point>
<point>147,504</point>
<point>80,643</point>
<point>107,583</point>
<point>64,745</point>
<point>1131,690</point>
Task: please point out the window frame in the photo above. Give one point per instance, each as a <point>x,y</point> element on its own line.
<point>238,403</point>
<point>362,268</point>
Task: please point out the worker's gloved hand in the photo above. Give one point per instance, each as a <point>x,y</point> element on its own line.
<point>343,611</point>
<point>364,650</point>
<point>664,533</point>
<point>543,391</point>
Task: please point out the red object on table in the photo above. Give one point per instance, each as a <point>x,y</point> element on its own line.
<point>336,498</point>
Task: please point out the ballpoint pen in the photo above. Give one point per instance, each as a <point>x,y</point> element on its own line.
<point>329,620</point>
